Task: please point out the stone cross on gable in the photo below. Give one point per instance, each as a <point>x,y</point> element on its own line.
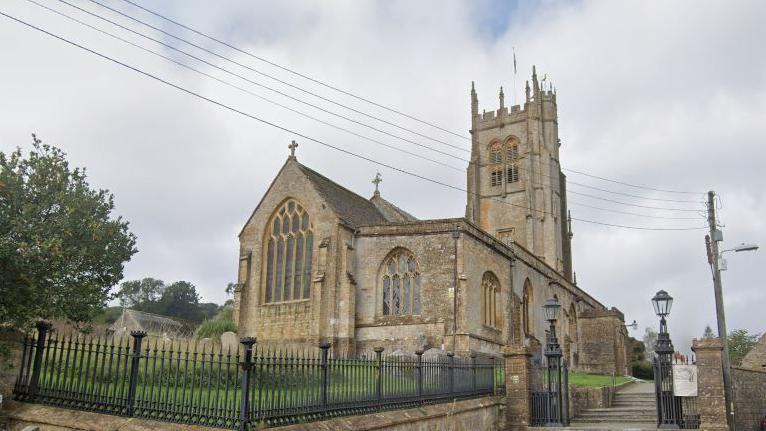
<point>377,180</point>
<point>292,148</point>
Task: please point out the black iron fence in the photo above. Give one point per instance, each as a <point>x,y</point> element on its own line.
<point>237,387</point>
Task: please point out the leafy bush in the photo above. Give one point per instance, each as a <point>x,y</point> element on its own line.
<point>214,328</point>
<point>643,370</point>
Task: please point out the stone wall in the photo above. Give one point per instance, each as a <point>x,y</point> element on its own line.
<point>476,414</point>
<point>756,357</point>
<point>581,398</point>
<point>749,398</point>
<point>602,343</point>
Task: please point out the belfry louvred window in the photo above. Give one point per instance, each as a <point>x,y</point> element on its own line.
<point>289,244</point>
<point>401,284</point>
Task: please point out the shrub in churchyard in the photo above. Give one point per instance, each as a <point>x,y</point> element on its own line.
<point>61,248</point>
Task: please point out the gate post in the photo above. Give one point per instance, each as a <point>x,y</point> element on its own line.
<point>247,367</point>
<point>135,357</point>
<point>42,331</point>
<point>711,401</point>
<point>518,387</point>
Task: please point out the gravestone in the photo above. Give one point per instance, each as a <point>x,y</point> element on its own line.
<point>229,341</point>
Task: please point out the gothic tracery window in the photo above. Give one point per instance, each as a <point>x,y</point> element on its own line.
<point>490,290</point>
<point>401,284</point>
<point>504,162</point>
<point>289,243</point>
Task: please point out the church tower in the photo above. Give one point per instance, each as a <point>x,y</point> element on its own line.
<point>516,190</point>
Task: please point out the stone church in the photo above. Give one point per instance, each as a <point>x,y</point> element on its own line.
<point>318,262</point>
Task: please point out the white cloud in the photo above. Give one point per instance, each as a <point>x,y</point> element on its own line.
<point>667,94</point>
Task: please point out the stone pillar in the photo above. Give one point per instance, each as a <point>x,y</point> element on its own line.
<point>518,369</point>
<point>710,395</point>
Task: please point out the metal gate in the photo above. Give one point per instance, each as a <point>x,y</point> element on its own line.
<point>550,394</point>
<point>673,412</point>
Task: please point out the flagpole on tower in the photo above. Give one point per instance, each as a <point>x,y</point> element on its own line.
<point>514,75</point>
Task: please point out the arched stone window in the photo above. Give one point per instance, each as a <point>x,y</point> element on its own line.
<point>490,298</point>
<point>573,323</point>
<point>288,246</point>
<point>400,281</point>
<point>526,304</point>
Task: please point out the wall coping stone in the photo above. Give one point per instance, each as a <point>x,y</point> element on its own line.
<point>707,344</point>
<point>392,418</point>
<point>60,418</point>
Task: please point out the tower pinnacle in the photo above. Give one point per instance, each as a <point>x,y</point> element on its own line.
<point>502,98</point>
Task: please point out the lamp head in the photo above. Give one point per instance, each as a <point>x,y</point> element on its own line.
<point>662,303</point>
<point>551,308</point>
<point>746,247</point>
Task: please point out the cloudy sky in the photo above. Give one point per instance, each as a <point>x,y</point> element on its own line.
<point>670,95</point>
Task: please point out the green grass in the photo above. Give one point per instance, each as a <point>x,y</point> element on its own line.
<point>595,380</point>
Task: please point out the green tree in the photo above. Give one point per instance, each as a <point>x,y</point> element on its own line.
<point>650,339</point>
<point>740,343</point>
<point>180,299</point>
<point>133,293</point>
<point>61,250</point>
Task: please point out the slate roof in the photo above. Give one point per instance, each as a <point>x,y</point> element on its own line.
<point>390,211</point>
<point>349,206</point>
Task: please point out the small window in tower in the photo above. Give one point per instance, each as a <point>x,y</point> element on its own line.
<point>496,153</point>
<point>496,177</point>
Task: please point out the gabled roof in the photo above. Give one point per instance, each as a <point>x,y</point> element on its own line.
<point>352,208</point>
<point>390,211</point>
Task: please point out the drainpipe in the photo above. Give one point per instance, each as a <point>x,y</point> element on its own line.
<point>456,237</point>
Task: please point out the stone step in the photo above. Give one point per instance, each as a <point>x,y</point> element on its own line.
<point>623,420</point>
<point>635,426</point>
<point>619,410</point>
<point>611,413</point>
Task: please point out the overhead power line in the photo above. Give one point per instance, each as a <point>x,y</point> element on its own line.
<point>312,117</point>
<point>333,125</point>
<point>229,72</point>
<point>186,66</point>
<point>309,138</point>
<point>632,195</point>
<point>632,205</point>
<point>250,54</point>
<point>281,81</point>
<point>324,98</point>
<point>291,71</point>
<point>632,185</point>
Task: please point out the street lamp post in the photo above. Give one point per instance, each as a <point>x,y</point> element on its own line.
<point>551,309</point>
<point>668,409</point>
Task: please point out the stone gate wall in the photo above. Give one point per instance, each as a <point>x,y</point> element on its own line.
<point>749,398</point>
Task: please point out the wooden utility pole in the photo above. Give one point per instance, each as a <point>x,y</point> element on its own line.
<point>716,236</point>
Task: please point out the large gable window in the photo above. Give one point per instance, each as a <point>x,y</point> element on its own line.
<point>289,243</point>
<point>401,284</point>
